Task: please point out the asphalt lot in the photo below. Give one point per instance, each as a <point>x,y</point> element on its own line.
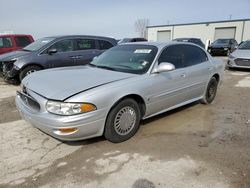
<point>193,146</point>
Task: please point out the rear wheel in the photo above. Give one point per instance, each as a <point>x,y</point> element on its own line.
<point>211,91</point>
<point>28,70</point>
<point>123,121</point>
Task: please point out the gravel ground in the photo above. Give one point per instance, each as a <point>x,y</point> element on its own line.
<point>193,146</point>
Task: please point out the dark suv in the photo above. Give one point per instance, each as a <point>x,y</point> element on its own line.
<point>192,40</point>
<point>222,46</point>
<point>53,52</point>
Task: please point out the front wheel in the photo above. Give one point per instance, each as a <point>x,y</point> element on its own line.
<point>28,70</point>
<point>210,91</point>
<point>123,121</point>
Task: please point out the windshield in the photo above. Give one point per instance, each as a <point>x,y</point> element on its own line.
<point>222,41</point>
<point>124,40</point>
<point>245,46</point>
<point>134,59</point>
<point>34,46</point>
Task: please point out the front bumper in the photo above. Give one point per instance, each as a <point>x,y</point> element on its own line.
<point>88,125</point>
<point>10,72</point>
<point>238,63</point>
<point>218,51</point>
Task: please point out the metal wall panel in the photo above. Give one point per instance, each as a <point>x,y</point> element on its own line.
<point>224,33</point>
<point>164,36</point>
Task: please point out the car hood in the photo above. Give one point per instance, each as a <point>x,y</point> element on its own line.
<point>62,83</point>
<point>241,54</point>
<point>13,55</point>
<point>219,45</point>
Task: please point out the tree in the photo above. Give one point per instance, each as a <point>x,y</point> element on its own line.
<point>141,27</point>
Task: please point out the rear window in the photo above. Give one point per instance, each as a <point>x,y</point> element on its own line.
<point>104,45</point>
<point>5,42</point>
<point>22,41</point>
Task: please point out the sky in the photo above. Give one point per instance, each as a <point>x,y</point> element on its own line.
<point>113,18</point>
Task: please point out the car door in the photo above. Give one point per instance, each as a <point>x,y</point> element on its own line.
<point>60,54</point>
<point>169,88</point>
<point>198,70</point>
<point>86,50</point>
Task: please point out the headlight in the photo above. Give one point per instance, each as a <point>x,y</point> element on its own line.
<point>61,108</point>
<point>225,48</point>
<point>231,56</point>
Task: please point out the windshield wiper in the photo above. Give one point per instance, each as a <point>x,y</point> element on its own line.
<point>26,50</point>
<point>103,67</point>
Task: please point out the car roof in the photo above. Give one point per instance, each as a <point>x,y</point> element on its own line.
<point>158,44</point>
<point>5,35</point>
<point>75,36</point>
<point>186,38</point>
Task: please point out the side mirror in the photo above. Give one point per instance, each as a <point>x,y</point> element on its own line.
<point>52,51</point>
<point>164,67</point>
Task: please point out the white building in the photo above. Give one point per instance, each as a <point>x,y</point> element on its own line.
<point>237,29</point>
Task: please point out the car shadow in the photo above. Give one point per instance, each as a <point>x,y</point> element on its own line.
<point>168,113</point>
<point>239,69</point>
<point>142,123</point>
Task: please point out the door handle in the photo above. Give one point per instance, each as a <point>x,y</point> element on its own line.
<point>72,57</point>
<point>183,75</point>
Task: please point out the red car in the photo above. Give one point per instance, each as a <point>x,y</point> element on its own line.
<point>13,42</point>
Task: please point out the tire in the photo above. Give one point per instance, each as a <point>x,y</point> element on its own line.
<point>210,91</point>
<point>123,121</point>
<point>28,70</point>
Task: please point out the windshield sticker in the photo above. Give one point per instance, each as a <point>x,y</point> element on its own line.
<point>142,51</point>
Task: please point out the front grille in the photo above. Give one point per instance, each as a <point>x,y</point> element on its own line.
<point>7,66</point>
<point>29,101</point>
<point>242,62</point>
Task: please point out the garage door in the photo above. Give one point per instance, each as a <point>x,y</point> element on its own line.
<point>164,36</point>
<point>226,32</point>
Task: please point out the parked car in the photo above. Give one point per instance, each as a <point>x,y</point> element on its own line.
<point>240,58</point>
<point>13,42</point>
<point>51,52</point>
<point>126,40</point>
<point>223,47</point>
<point>192,40</point>
<point>116,90</point>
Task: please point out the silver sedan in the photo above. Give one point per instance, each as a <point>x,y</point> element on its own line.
<point>240,58</point>
<point>124,85</point>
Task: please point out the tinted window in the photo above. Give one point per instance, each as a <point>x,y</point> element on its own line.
<point>183,55</point>
<point>22,41</point>
<point>5,42</point>
<point>63,45</point>
<point>104,45</point>
<point>85,44</point>
<point>173,54</point>
<point>193,55</point>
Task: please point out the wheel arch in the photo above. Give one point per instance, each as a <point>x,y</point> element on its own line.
<point>31,64</point>
<point>139,99</point>
<point>217,77</point>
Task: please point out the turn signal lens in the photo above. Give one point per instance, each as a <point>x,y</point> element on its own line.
<point>87,107</point>
<point>65,131</point>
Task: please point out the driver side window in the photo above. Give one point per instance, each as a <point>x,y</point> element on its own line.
<point>63,46</point>
<point>173,54</point>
